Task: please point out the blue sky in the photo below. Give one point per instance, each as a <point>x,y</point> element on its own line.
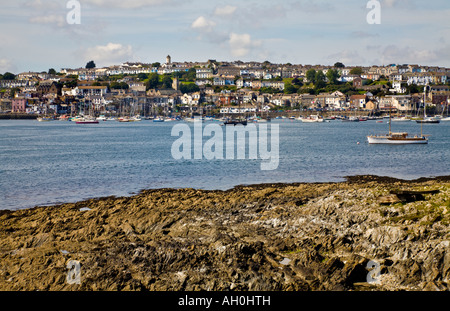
<point>36,36</point>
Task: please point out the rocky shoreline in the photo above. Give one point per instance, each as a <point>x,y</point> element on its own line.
<point>271,237</point>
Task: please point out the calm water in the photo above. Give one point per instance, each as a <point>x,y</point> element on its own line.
<point>52,162</point>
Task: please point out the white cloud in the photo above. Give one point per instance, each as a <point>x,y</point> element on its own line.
<point>203,24</point>
<point>57,20</point>
<point>109,54</point>
<point>309,6</point>
<point>347,57</point>
<point>394,3</point>
<point>406,54</point>
<point>242,44</point>
<point>225,11</point>
<point>46,5</point>
<point>7,66</point>
<point>129,4</point>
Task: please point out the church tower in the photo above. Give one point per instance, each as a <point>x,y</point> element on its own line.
<point>168,60</point>
<point>175,84</point>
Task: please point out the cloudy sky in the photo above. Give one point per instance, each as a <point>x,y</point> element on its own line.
<point>36,36</point>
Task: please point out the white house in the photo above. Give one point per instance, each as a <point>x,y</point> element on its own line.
<point>90,90</point>
<point>204,73</point>
<point>397,87</point>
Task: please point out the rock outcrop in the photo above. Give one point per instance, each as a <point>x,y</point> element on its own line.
<point>322,236</point>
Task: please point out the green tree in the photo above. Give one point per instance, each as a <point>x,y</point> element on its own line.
<point>156,65</point>
<point>320,79</point>
<point>8,76</point>
<point>297,82</point>
<point>356,71</point>
<point>332,76</point>
<point>90,65</point>
<point>189,87</point>
<point>289,89</point>
<point>167,81</point>
<point>311,75</point>
<point>339,65</point>
<point>191,74</point>
<point>142,76</point>
<point>153,81</point>
<point>51,71</point>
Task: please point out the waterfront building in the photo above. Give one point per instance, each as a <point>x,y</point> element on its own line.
<point>19,105</point>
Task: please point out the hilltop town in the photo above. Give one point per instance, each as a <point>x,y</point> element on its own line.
<point>224,87</point>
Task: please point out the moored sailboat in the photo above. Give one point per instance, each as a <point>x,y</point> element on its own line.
<point>426,119</point>
<point>312,119</point>
<point>402,138</point>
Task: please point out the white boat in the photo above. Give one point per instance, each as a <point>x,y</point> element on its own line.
<point>44,119</point>
<point>101,118</point>
<point>397,139</point>
<point>87,120</point>
<point>312,119</point>
<point>401,119</point>
<point>158,119</point>
<point>192,119</point>
<point>426,119</point>
<point>63,118</point>
<point>445,119</point>
<point>77,118</point>
<point>429,120</point>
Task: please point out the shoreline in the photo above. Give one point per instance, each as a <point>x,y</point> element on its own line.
<point>266,237</point>
<point>350,179</point>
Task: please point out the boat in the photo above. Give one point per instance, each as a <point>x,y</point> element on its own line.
<point>351,119</point>
<point>402,138</point>
<point>87,121</point>
<point>101,118</point>
<point>77,118</point>
<point>45,119</point>
<point>124,119</point>
<point>401,119</point>
<point>63,118</point>
<point>397,139</point>
<point>447,118</point>
<point>312,119</point>
<point>135,119</point>
<point>429,120</point>
<point>235,122</point>
<point>426,119</point>
<point>158,119</point>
